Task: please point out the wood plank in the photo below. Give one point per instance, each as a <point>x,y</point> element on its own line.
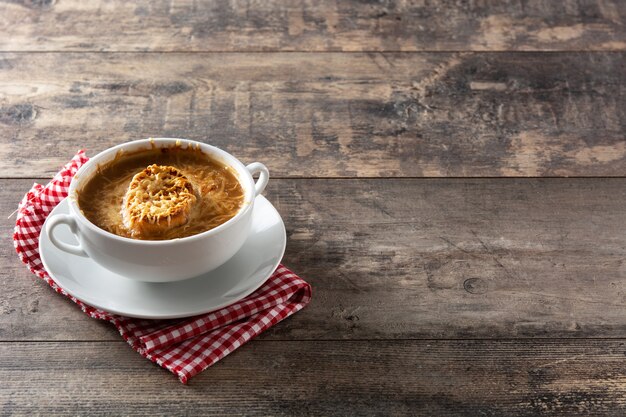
<point>328,25</point>
<point>459,378</point>
<point>438,258</point>
<point>326,115</point>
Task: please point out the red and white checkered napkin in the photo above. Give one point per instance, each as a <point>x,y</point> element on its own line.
<point>185,347</point>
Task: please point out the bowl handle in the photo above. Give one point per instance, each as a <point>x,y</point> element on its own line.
<point>56,220</point>
<point>264,176</point>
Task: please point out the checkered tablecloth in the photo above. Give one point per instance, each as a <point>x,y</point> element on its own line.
<point>183,346</point>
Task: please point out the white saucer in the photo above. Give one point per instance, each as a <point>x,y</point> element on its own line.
<point>237,278</point>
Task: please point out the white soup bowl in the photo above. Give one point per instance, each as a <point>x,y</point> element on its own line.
<point>159,260</point>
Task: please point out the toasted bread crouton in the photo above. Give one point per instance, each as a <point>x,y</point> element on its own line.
<point>158,198</point>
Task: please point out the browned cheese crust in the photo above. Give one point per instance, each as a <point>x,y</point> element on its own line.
<point>158,198</point>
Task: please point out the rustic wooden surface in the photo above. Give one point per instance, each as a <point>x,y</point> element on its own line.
<point>311,25</point>
<point>440,377</point>
<point>393,130</point>
<point>461,258</point>
<point>327,115</point>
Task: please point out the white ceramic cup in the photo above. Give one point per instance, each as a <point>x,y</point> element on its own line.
<point>159,260</point>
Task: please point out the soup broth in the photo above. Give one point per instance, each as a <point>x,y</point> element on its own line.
<point>205,191</point>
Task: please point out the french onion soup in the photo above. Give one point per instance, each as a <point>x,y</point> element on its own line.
<point>161,193</point>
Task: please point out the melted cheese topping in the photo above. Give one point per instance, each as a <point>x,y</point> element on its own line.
<point>182,192</point>
<point>156,196</point>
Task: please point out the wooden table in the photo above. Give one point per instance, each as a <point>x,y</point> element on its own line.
<point>451,175</point>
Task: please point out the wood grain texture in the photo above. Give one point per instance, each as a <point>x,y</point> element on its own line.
<point>295,25</point>
<point>397,259</point>
<point>326,115</point>
<point>515,275</point>
<point>447,378</point>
